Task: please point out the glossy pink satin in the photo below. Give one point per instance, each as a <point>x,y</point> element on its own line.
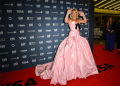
<point>73,59</point>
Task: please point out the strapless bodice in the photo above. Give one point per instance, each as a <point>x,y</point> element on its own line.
<point>73,31</point>
<point>72,25</point>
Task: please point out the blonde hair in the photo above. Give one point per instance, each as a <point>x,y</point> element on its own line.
<point>108,23</point>
<point>76,11</point>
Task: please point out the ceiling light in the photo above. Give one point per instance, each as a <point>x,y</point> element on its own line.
<point>114,6</point>
<point>100,2</point>
<point>111,4</point>
<point>106,3</point>
<point>94,0</point>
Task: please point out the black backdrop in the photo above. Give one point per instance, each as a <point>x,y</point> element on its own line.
<point>31,30</point>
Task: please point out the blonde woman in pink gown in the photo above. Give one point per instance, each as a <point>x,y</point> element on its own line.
<point>73,58</point>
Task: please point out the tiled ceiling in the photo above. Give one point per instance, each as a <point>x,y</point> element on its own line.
<point>107,4</point>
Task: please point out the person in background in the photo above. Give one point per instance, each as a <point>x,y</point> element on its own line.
<point>110,36</point>
<point>118,37</point>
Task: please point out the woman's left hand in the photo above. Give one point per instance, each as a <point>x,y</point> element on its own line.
<point>112,30</point>
<point>81,13</point>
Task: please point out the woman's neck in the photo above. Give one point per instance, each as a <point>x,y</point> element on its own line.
<point>73,18</point>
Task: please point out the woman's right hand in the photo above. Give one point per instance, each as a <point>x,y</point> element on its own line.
<point>69,11</point>
<point>107,29</point>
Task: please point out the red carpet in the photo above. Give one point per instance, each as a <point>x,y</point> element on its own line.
<point>108,65</point>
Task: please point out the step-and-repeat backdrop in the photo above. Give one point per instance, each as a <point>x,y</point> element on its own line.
<point>31,30</point>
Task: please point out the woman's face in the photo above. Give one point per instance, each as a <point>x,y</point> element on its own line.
<point>110,19</point>
<point>74,14</point>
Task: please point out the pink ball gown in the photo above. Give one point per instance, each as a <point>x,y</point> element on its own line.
<point>73,59</point>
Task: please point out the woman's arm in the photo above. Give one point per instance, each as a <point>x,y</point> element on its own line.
<point>66,19</point>
<point>107,25</point>
<point>84,20</point>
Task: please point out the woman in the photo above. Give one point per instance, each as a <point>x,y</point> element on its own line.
<point>110,36</point>
<point>118,37</point>
<point>73,58</point>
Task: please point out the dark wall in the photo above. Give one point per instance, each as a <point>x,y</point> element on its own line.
<point>91,23</point>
